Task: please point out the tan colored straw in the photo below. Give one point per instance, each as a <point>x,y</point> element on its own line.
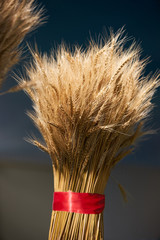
<point>90,107</point>
<point>17,18</point>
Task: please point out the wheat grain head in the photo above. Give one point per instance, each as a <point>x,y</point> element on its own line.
<point>17,18</point>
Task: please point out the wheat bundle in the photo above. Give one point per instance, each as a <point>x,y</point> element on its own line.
<point>17,18</point>
<point>90,107</point>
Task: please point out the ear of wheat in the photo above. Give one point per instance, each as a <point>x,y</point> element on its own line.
<point>90,107</point>
<point>17,18</point>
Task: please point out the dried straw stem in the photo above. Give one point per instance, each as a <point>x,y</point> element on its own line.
<point>17,18</point>
<point>90,107</point>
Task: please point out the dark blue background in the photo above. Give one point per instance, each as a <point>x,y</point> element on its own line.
<point>74,22</point>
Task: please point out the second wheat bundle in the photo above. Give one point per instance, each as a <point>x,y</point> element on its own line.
<point>90,107</point>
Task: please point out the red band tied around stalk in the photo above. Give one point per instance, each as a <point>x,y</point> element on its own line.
<point>88,203</point>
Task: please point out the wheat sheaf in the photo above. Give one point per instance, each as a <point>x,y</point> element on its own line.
<point>17,18</point>
<point>90,106</point>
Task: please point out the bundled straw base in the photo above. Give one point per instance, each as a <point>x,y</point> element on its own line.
<point>67,225</point>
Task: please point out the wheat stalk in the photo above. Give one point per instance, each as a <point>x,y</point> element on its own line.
<point>90,107</point>
<point>17,18</point>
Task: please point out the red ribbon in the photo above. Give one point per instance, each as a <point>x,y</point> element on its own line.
<point>88,203</point>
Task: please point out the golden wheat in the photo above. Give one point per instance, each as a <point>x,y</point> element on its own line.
<point>90,107</point>
<point>17,18</point>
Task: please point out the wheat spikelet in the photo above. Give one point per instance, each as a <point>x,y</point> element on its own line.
<point>90,107</point>
<point>17,18</point>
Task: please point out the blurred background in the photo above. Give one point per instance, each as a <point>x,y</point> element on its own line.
<point>26,181</point>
